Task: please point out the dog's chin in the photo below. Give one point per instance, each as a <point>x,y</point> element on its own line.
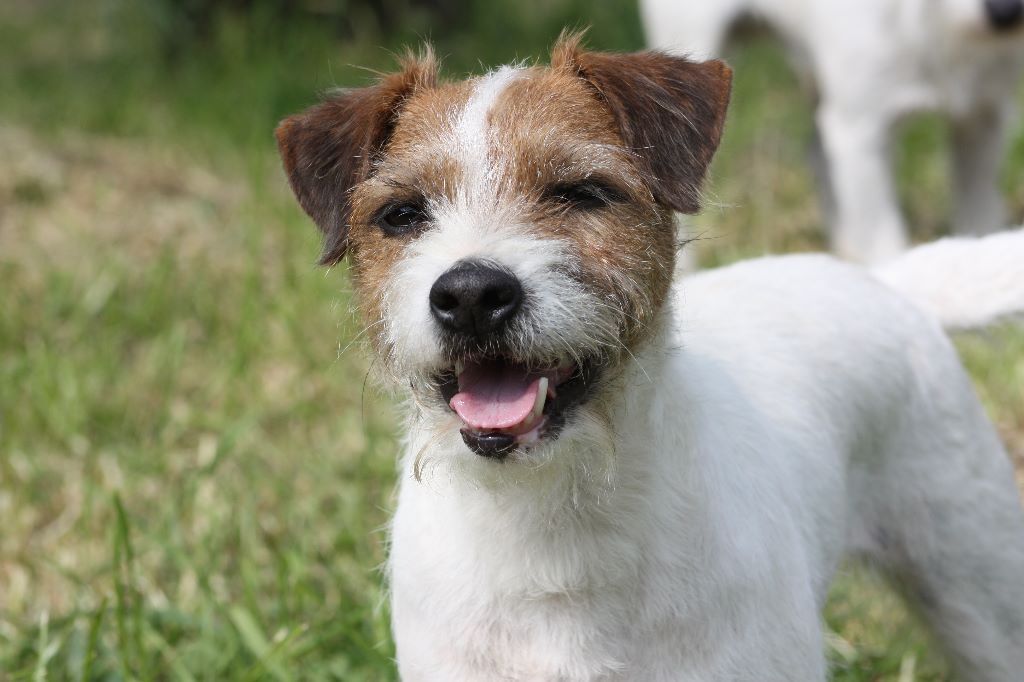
<point>510,409</point>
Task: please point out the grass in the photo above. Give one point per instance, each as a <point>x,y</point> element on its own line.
<point>193,477</point>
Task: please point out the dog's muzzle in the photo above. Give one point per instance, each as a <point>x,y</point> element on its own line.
<point>506,401</point>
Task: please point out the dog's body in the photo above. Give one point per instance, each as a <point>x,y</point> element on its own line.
<point>795,410</point>
<point>871,63</point>
<point>609,478</point>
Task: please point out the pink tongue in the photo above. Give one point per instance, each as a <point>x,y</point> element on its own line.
<point>494,396</point>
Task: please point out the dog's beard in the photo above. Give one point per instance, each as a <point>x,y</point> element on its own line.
<point>502,406</point>
<point>576,467</point>
<point>575,454</point>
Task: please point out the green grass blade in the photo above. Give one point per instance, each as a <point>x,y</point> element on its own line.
<point>94,634</point>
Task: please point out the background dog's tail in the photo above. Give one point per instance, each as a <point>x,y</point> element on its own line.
<point>965,282</point>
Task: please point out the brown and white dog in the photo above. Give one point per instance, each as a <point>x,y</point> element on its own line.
<point>599,482</point>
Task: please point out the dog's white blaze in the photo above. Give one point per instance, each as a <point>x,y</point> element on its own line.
<point>472,133</point>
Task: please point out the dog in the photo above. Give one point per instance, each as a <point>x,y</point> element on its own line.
<point>610,476</point>
<point>872,63</point>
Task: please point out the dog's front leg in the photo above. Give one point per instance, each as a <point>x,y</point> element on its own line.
<point>868,226</point>
<point>978,143</point>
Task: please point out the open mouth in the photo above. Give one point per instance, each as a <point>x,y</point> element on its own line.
<point>505,405</point>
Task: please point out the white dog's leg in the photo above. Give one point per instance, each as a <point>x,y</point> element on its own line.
<point>944,521</point>
<point>822,178</point>
<point>695,28</point>
<point>978,144</point>
<point>868,227</point>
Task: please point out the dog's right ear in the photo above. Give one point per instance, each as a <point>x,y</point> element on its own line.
<point>331,147</point>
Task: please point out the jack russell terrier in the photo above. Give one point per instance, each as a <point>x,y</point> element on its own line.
<point>873,62</point>
<point>607,476</point>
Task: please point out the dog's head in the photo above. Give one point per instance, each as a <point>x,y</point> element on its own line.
<point>510,236</point>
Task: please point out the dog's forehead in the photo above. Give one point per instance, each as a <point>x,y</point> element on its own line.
<point>535,124</point>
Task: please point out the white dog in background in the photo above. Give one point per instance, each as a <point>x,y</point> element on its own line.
<point>872,62</point>
<point>611,476</point>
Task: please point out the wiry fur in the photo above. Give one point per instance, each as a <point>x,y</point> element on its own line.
<point>745,431</point>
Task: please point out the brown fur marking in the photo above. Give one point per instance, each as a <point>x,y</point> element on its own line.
<point>670,112</point>
<point>551,129</point>
<point>332,146</point>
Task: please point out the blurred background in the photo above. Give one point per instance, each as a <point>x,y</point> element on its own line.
<point>194,475</point>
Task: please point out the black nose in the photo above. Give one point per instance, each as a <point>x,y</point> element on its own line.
<point>1005,14</point>
<point>475,299</point>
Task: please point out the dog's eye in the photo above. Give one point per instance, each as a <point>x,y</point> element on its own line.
<point>401,219</point>
<point>585,196</point>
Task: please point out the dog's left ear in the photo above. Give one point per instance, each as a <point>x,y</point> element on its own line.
<point>670,112</point>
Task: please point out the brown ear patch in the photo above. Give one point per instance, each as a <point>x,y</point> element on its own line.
<point>670,112</point>
<point>331,147</point>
